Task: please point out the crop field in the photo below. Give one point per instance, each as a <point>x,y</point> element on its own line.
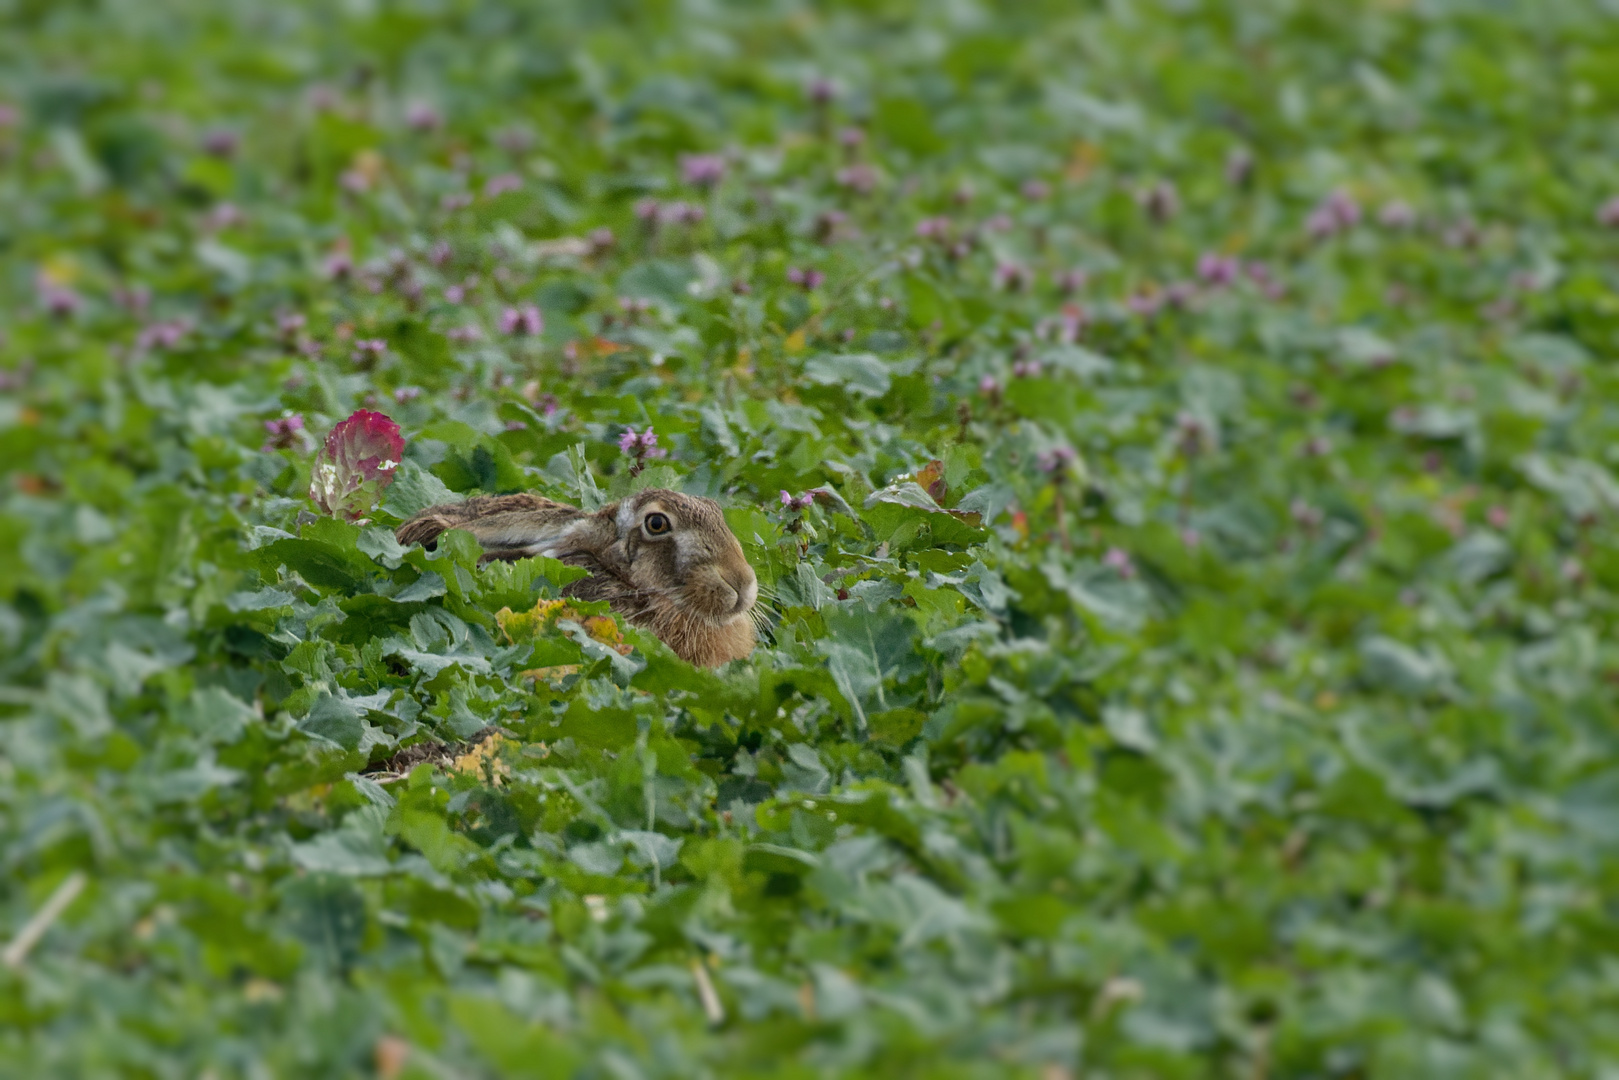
<point>1176,442</point>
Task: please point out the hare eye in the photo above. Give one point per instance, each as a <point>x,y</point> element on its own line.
<point>656,524</point>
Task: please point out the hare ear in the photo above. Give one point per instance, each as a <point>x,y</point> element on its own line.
<point>506,526</point>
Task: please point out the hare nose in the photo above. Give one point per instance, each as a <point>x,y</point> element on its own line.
<point>745,585</point>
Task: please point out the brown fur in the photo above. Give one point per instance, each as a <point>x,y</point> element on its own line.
<point>692,586</point>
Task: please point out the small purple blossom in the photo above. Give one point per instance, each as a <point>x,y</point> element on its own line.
<point>162,335</point>
<point>1118,560</point>
<point>465,333</point>
<point>851,137</point>
<point>798,503</point>
<point>1144,304</point>
<point>500,184</point>
<point>525,321</point>
<point>422,116</point>
<point>454,294</point>
<point>455,200</point>
<point>1010,277</point>
<point>1035,190</point>
<point>1397,214</point>
<point>859,178</point>
<point>1193,437</point>
<point>933,228</point>
<point>220,143</point>
<point>1608,213</point>
<point>223,216</point>
<point>1160,201</point>
<point>807,279</point>
<point>990,387</point>
<point>404,395</point>
<point>1307,517</point>
<point>1337,213</point>
<point>1218,270</point>
<point>685,213</point>
<point>440,253</point>
<point>643,445</point>
<point>367,351</point>
<point>59,301</point>
<point>285,433</point>
<point>1239,167</point>
<point>1070,281</point>
<point>338,265</point>
<point>648,211</point>
<point>1026,369</point>
<point>290,323</point>
<point>821,91</point>
<point>601,240</point>
<point>1055,460</point>
<point>702,170</point>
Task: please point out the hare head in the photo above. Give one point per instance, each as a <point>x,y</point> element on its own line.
<point>666,561</point>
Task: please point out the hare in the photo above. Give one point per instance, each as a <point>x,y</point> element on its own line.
<point>664,560</point>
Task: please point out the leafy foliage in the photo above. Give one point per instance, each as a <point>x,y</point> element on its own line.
<point>1175,441</point>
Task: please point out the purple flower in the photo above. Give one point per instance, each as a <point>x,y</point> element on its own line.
<point>1144,304</point>
<point>648,211</point>
<point>1307,517</point>
<point>499,185</point>
<point>644,445</point>
<point>1239,167</point>
<point>1070,281</point>
<point>601,240</point>
<point>367,351</point>
<point>821,91</point>
<point>8,116</point>
<point>1011,277</point>
<point>223,216</point>
<point>163,335</point>
<point>859,178</point>
<point>1118,560</point>
<point>290,323</point>
<point>1026,369</point>
<point>990,387</point>
<point>798,503</point>
<point>1035,190</point>
<point>440,253</point>
<point>59,301</point>
<point>422,116</point>
<point>1161,201</point>
<point>338,265</point>
<point>285,433</point>
<point>685,213</point>
<point>1338,212</point>
<point>464,333</point>
<point>454,294</point>
<point>806,279</point>
<point>1218,270</point>
<point>1397,214</point>
<point>220,143</point>
<point>406,394</point>
<point>1055,460</point>
<point>933,228</point>
<point>356,463</point>
<point>455,200</point>
<point>702,170</point>
<point>525,321</point>
<point>1193,437</point>
<point>1608,213</point>
<point>850,137</point>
